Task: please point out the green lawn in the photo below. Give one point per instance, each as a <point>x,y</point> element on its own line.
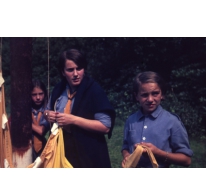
<point>114,145</point>
<point>198,146</point>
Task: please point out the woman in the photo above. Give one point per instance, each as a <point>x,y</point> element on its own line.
<point>82,109</point>
<point>153,127</point>
<point>40,126</point>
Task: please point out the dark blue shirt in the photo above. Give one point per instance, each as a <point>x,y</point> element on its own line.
<point>61,102</point>
<point>161,128</point>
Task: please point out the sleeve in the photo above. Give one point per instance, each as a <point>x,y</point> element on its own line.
<point>125,145</point>
<point>104,119</point>
<point>179,139</point>
<point>102,105</point>
<point>45,123</point>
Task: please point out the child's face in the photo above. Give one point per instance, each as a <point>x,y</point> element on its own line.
<point>37,96</point>
<point>149,97</point>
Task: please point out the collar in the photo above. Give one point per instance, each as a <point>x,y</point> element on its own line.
<point>157,111</point>
<point>37,111</point>
<point>154,114</point>
<point>69,88</point>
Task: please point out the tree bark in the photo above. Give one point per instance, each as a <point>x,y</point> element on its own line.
<point>21,76</point>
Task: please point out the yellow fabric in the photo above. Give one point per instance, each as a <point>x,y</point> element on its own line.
<point>37,140</point>
<point>67,108</point>
<point>48,154</point>
<point>53,155</point>
<point>5,137</point>
<point>68,105</point>
<point>60,160</point>
<point>133,159</point>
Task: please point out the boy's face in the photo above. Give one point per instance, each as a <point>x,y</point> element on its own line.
<point>149,97</point>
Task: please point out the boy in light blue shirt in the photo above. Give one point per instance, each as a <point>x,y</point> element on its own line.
<point>153,127</point>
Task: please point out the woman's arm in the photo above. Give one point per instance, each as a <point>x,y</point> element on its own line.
<point>64,119</point>
<point>87,124</point>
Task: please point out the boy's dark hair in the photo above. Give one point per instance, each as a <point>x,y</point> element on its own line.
<point>149,77</point>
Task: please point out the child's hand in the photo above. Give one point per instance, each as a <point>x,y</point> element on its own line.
<point>152,147</point>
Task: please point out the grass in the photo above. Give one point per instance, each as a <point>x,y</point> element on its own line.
<point>115,143</point>
<point>198,146</point>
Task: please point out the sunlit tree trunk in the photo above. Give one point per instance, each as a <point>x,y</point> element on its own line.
<point>21,74</point>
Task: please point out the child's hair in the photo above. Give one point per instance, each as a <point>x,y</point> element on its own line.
<point>40,84</point>
<point>148,77</point>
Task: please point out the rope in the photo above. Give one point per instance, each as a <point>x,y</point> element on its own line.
<point>48,64</point>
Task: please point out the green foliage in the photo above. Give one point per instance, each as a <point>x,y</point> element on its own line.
<point>189,115</point>
<point>123,104</point>
<point>190,89</point>
<point>114,61</point>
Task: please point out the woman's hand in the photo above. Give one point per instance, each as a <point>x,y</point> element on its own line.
<point>50,116</point>
<point>64,119</point>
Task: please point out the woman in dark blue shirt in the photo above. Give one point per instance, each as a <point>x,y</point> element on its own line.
<point>154,127</point>
<point>80,106</point>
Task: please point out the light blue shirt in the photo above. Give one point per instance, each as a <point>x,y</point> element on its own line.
<point>42,122</point>
<point>162,128</point>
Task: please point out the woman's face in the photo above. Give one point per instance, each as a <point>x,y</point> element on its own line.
<point>149,97</point>
<point>37,96</point>
<point>73,74</point>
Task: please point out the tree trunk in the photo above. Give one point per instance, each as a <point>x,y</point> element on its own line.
<point>21,76</point>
